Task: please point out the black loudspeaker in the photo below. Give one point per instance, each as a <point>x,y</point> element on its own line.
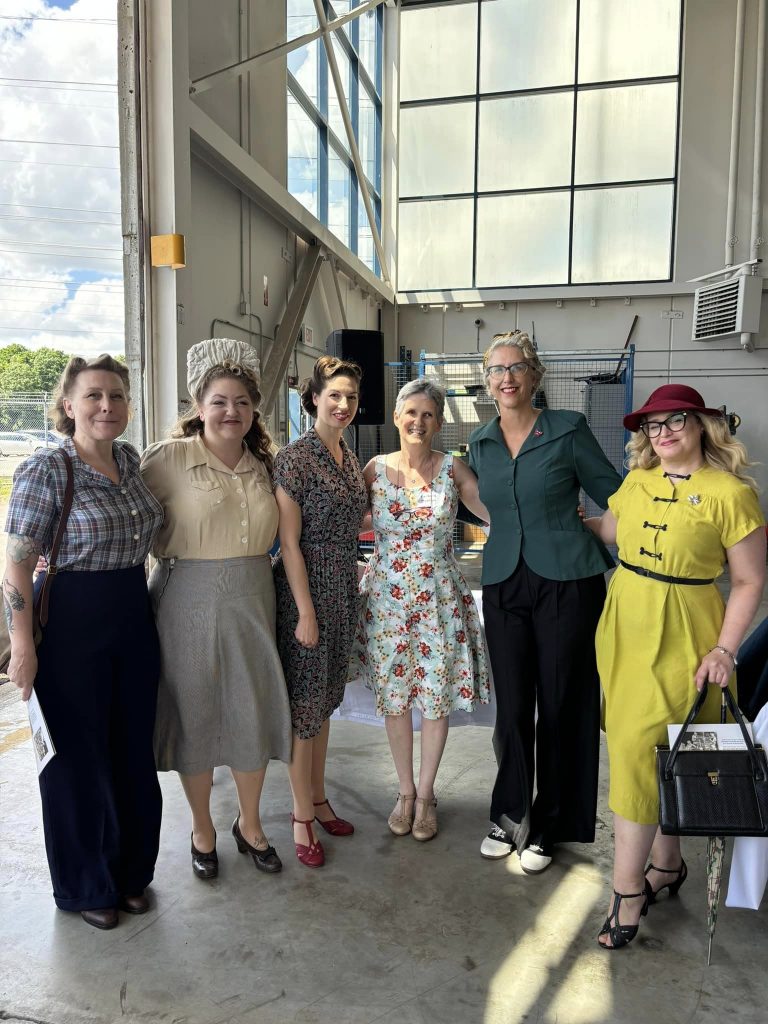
<point>366,348</point>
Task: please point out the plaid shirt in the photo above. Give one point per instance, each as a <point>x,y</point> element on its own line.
<point>110,526</point>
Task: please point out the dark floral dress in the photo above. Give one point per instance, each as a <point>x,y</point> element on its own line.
<point>332,500</point>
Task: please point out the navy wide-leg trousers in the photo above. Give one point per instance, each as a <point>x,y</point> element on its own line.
<point>97,685</point>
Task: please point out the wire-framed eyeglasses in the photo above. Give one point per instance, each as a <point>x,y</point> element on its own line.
<point>675,423</point>
<point>497,371</point>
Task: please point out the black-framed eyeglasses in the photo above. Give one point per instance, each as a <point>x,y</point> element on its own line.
<point>497,371</point>
<point>675,423</point>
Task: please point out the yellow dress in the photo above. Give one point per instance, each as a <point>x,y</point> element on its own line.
<point>652,635</point>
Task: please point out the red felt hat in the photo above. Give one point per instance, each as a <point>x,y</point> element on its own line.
<point>670,398</point>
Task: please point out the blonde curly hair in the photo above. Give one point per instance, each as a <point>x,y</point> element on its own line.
<point>719,448</point>
<point>515,339</point>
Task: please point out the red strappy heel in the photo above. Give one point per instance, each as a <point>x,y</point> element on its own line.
<point>335,826</point>
<point>313,855</point>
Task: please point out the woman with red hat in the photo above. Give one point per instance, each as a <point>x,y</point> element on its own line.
<point>686,507</point>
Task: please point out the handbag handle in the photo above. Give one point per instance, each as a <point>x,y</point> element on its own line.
<point>69,492</point>
<point>733,707</point>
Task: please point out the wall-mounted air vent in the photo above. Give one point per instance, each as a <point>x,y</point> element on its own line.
<point>728,307</point>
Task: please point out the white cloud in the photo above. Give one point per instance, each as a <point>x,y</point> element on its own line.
<point>60,199</point>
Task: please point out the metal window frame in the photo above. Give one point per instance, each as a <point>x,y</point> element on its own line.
<point>570,187</point>
<point>328,140</point>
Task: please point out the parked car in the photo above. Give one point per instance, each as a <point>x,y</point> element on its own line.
<point>24,442</point>
<point>45,438</point>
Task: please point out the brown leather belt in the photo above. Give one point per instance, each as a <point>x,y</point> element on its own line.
<point>685,580</point>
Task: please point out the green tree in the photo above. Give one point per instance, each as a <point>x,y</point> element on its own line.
<point>49,364</point>
<point>23,369</point>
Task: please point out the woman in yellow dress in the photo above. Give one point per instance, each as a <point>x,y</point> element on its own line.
<point>686,508</point>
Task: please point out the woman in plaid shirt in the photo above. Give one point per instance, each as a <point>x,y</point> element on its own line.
<point>95,672</point>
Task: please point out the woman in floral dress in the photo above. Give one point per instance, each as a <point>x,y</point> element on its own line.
<point>322,499</point>
<point>419,641</point>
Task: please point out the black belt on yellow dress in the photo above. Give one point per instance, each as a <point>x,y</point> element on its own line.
<point>686,580</point>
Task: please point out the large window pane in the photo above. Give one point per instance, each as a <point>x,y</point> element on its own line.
<point>303,63</point>
<point>527,44</point>
<point>525,142</point>
<point>364,237</point>
<point>302,156</point>
<point>335,120</point>
<point>620,39</point>
<point>626,134</point>
<point>437,149</point>
<point>368,43</point>
<point>367,135</point>
<point>435,245</point>
<point>522,240</point>
<point>622,234</point>
<point>438,51</point>
<point>339,192</point>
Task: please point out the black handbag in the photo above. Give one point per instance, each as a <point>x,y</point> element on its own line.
<point>713,793</point>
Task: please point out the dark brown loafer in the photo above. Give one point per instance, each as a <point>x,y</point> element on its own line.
<point>205,865</point>
<point>104,918</point>
<point>265,860</point>
<point>134,904</point>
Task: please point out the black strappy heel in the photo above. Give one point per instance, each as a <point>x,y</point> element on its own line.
<point>673,887</point>
<point>621,934</point>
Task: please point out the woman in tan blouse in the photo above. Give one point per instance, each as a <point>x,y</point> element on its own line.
<point>222,698</point>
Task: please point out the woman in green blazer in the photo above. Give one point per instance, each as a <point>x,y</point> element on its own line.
<point>543,591</point>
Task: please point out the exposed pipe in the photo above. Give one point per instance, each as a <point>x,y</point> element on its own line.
<point>733,167</point>
<point>756,240</point>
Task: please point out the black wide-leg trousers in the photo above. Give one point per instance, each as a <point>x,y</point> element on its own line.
<point>541,641</point>
<point>98,668</point>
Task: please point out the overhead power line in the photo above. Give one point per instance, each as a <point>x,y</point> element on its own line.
<point>66,209</point>
<point>49,163</point>
<point>60,330</point>
<point>64,255</point>
<point>59,220</point>
<point>64,21</point>
<point>51,142</point>
<point>57,81</point>
<point>47,283</point>
<point>54,88</point>
<point>61,245</point>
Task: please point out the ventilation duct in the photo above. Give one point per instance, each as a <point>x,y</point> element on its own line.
<point>726,308</point>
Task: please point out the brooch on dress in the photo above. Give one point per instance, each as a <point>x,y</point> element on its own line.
<point>694,499</point>
<point>538,433</point>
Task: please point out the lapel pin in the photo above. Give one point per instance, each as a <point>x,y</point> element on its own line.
<point>538,433</point>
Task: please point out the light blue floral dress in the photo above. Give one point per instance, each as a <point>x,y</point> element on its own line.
<point>418,640</point>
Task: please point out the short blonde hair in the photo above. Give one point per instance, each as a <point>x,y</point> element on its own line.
<point>720,449</point>
<point>65,424</point>
<point>515,339</point>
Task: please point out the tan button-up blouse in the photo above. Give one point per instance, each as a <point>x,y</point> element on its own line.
<point>211,511</point>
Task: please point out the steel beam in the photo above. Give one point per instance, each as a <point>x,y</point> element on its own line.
<point>354,152</point>
<point>220,151</point>
<point>242,67</point>
<point>288,331</point>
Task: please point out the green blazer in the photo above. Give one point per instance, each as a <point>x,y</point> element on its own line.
<point>533,499</point>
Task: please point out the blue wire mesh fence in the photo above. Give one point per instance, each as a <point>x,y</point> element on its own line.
<point>597,383</point>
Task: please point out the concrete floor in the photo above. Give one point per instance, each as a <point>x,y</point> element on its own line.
<point>389,931</point>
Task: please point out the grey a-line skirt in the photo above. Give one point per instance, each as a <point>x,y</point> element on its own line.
<point>222,698</point>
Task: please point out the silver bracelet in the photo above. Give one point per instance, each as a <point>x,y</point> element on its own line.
<point>724,650</point>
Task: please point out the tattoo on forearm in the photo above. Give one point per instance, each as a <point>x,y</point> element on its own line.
<point>19,549</point>
<point>13,601</point>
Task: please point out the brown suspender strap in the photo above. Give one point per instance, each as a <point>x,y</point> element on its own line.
<point>42,604</point>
